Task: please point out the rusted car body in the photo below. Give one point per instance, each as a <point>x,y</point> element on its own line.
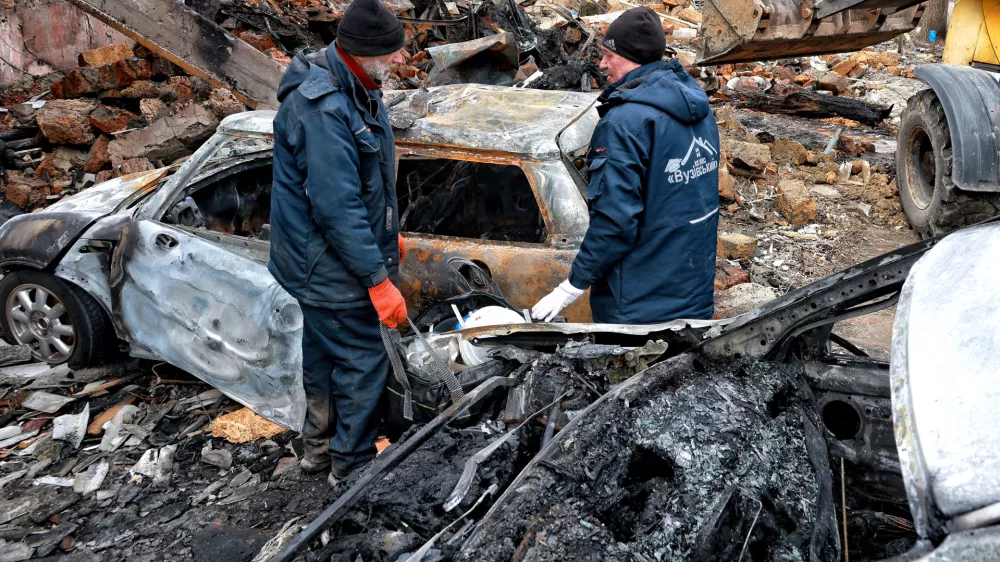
<point>178,262</point>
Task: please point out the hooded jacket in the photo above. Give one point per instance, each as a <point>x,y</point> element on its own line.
<point>334,222</point>
<point>649,254</point>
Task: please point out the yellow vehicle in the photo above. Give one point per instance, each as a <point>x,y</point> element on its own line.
<point>948,150</point>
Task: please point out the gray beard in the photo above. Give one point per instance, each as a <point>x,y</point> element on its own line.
<point>376,70</point>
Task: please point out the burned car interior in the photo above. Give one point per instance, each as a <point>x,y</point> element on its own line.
<point>467,199</point>
<point>438,196</point>
<point>233,200</point>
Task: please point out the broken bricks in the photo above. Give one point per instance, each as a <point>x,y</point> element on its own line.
<point>794,202</point>
<point>736,246</point>
<point>67,121</point>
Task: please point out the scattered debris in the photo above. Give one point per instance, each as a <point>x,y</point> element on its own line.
<point>72,428</point>
<point>45,401</point>
<point>243,426</point>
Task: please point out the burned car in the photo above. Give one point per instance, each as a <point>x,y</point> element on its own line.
<point>173,262</point>
<point>766,437</point>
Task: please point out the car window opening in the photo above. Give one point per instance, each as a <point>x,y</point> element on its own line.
<point>238,204</point>
<point>467,200</point>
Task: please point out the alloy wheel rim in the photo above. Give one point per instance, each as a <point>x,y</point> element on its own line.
<point>39,319</point>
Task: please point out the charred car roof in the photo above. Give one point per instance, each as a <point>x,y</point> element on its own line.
<point>472,117</point>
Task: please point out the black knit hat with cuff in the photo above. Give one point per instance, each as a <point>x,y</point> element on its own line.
<point>636,35</point>
<point>369,29</point>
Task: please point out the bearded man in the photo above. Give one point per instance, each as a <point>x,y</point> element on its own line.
<point>335,243</point>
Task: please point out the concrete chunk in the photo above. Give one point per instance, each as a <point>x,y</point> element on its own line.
<point>167,138</point>
<point>93,79</point>
<point>795,204</point>
<point>97,158</point>
<point>111,119</point>
<point>749,155</point>
<point>224,103</point>
<point>104,55</point>
<point>741,298</point>
<point>835,83</point>
<point>26,192</point>
<point>787,151</point>
<point>736,246</point>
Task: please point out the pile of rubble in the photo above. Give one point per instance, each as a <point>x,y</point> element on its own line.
<point>122,111</point>
<point>501,42</point>
<point>787,210</point>
<point>828,73</point>
<point>133,461</point>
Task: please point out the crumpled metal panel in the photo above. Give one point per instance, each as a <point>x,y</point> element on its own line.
<point>249,123</point>
<point>454,54</point>
<point>87,269</point>
<point>36,239</point>
<point>217,315</point>
<point>981,545</point>
<point>945,388</point>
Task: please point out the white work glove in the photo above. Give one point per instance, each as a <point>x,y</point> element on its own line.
<point>552,304</point>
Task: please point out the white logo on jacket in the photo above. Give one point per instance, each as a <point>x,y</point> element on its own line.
<point>701,158</point>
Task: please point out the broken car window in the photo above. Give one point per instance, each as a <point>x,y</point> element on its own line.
<point>236,199</point>
<point>468,200</point>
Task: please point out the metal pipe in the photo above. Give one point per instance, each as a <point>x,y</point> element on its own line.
<point>550,426</point>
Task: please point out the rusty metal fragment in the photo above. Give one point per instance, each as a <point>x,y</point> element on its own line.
<point>745,31</point>
<point>488,60</point>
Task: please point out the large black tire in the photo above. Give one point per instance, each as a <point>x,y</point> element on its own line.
<point>92,340</point>
<point>932,203</point>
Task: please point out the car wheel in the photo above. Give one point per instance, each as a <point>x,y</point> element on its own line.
<point>932,203</point>
<point>60,321</point>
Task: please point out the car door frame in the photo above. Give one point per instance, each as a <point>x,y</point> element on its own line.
<point>221,353</point>
<point>525,272</point>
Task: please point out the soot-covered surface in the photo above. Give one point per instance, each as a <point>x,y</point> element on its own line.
<point>405,508</point>
<point>686,466</point>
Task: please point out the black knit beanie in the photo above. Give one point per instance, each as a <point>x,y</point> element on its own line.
<point>636,35</point>
<point>369,29</point>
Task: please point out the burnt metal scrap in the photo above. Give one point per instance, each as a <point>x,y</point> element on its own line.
<point>694,461</point>
<point>719,449</point>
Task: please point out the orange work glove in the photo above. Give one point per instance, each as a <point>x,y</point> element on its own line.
<point>402,249</point>
<point>388,303</point>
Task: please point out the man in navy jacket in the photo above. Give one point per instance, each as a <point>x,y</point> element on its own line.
<point>335,242</point>
<point>649,253</point>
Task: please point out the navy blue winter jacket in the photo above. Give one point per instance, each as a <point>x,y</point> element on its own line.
<point>334,222</point>
<point>649,254</point>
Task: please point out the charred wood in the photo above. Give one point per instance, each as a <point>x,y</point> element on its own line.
<point>810,104</point>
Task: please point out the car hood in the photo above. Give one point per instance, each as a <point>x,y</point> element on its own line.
<point>37,239</point>
<point>105,197</point>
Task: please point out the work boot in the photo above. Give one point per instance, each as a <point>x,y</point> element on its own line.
<point>338,475</point>
<point>314,465</point>
<point>336,478</point>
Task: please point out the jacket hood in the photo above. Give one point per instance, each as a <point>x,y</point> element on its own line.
<point>310,71</point>
<point>665,86</point>
<point>296,73</point>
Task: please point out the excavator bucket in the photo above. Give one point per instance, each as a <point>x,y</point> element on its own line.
<point>751,30</point>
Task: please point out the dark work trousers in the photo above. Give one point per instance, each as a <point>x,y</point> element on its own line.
<point>344,367</point>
